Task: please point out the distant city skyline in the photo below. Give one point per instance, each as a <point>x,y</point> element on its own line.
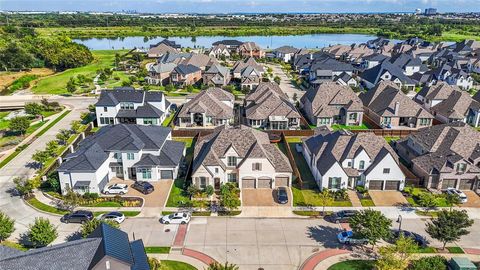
<point>238,6</point>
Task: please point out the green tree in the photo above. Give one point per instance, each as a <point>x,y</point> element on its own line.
<point>277,80</point>
<point>371,224</point>
<point>63,135</point>
<point>52,148</point>
<point>226,266</point>
<point>90,226</point>
<point>229,196</point>
<point>190,88</point>
<point>325,198</point>
<point>169,87</point>
<point>71,199</point>
<point>71,85</point>
<point>15,56</point>
<point>449,226</point>
<point>193,190</point>
<point>429,263</point>
<point>26,186</point>
<point>75,126</point>
<point>34,109</point>
<point>41,157</point>
<point>7,226</point>
<point>452,199</point>
<point>209,190</point>
<point>19,124</point>
<point>41,232</point>
<point>398,256</point>
<point>427,200</point>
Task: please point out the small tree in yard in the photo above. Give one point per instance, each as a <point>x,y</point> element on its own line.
<point>209,190</point>
<point>71,199</point>
<point>26,186</point>
<point>71,85</point>
<point>41,157</point>
<point>75,126</point>
<point>226,266</point>
<point>449,226</point>
<point>429,263</point>
<point>427,200</point>
<point>19,124</point>
<point>193,190</point>
<point>371,224</point>
<point>452,199</point>
<point>396,257</point>
<point>229,196</point>
<point>6,226</point>
<point>90,226</point>
<point>63,136</point>
<point>41,232</point>
<point>326,198</point>
<point>277,79</point>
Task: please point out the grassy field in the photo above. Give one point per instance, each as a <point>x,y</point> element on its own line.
<point>56,84</point>
<point>7,78</point>
<point>353,265</point>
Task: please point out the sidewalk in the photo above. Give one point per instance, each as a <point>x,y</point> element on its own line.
<point>354,198</point>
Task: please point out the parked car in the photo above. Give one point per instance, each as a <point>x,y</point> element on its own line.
<point>420,240</point>
<point>459,193</point>
<point>80,216</point>
<point>347,237</point>
<point>113,216</point>
<point>342,216</point>
<point>143,187</point>
<point>176,218</point>
<point>282,195</point>
<point>116,189</point>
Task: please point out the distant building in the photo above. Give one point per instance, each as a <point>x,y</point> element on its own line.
<point>430,11</point>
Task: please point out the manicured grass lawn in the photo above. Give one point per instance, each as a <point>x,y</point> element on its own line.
<point>432,214</point>
<point>168,120</point>
<point>174,265</point>
<point>414,199</point>
<point>309,197</point>
<point>157,250</point>
<point>125,213</point>
<point>56,84</point>
<point>337,127</point>
<point>390,139</point>
<point>353,265</point>
<point>177,194</point>
<point>202,214</point>
<point>367,202</point>
<point>44,207</point>
<point>13,245</point>
<point>426,250</point>
<point>294,140</point>
<point>105,204</point>
<point>51,124</point>
<point>455,250</point>
<point>229,213</point>
<point>311,213</point>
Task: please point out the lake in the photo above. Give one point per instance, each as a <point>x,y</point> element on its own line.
<point>266,42</point>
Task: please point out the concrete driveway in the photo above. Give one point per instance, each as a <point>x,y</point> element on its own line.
<point>473,200</point>
<point>157,198</point>
<point>262,197</point>
<point>387,198</point>
<point>261,243</point>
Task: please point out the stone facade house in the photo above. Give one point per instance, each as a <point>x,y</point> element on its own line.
<point>251,49</point>
<point>183,75</point>
<point>332,103</point>
<point>216,75</point>
<point>240,155</point>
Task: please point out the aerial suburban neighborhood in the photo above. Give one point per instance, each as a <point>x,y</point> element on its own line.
<point>222,135</point>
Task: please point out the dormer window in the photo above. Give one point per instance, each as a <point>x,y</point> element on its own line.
<point>461,167</point>
<point>361,165</point>
<point>231,161</point>
<point>349,164</point>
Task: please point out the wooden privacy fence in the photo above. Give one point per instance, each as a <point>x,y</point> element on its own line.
<point>291,158</point>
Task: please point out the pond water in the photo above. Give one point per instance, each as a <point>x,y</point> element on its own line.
<point>266,42</point>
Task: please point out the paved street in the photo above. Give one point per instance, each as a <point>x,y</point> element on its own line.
<point>19,166</point>
<point>285,83</point>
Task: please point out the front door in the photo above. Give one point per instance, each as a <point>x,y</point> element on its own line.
<point>217,183</point>
<point>132,173</point>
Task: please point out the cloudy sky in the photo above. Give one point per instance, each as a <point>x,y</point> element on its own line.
<point>245,6</point>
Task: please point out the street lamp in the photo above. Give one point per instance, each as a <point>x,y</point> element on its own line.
<point>399,221</point>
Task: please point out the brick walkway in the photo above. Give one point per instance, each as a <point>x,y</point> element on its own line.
<point>180,236</point>
<point>472,251</point>
<point>198,255</point>
<point>316,258</point>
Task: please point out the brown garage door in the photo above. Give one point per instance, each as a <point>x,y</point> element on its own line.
<point>449,183</point>
<point>248,183</point>
<point>281,182</point>
<point>264,183</point>
<point>392,185</point>
<point>375,185</point>
<point>466,184</point>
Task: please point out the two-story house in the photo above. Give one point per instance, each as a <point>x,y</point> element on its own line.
<point>444,156</point>
<point>285,53</point>
<point>390,108</point>
<point>341,159</point>
<point>209,108</point>
<point>331,103</point>
<point>251,49</point>
<point>126,105</point>
<point>219,51</point>
<point>183,75</point>
<point>129,152</point>
<point>325,70</point>
<point>268,107</point>
<point>240,155</point>
<point>430,96</point>
<point>459,106</point>
<point>216,75</point>
<point>386,71</point>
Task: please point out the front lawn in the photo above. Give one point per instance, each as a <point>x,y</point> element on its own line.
<point>45,207</point>
<point>174,265</point>
<point>178,195</point>
<point>157,250</point>
<point>390,139</point>
<point>367,202</point>
<point>416,193</point>
<point>455,250</point>
<point>353,265</point>
<point>309,197</point>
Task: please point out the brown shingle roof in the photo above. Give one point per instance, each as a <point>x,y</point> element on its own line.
<point>210,102</point>
<point>269,100</point>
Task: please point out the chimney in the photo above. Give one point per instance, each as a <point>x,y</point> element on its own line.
<point>397,107</point>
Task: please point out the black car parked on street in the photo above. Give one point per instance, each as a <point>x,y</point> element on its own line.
<point>80,216</point>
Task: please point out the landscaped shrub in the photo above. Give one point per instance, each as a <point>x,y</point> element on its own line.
<point>90,196</point>
<point>429,263</point>
<point>340,195</point>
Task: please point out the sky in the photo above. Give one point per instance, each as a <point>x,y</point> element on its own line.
<point>242,6</point>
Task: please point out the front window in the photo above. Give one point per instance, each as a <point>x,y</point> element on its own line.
<point>256,167</point>
<point>147,173</point>
<point>387,120</point>
<point>352,116</point>
<point>130,156</point>
<point>105,109</point>
<point>361,166</point>
<point>232,161</point>
<point>150,121</point>
<point>232,177</point>
<point>203,182</point>
<point>424,121</point>
<point>127,106</point>
<point>334,182</point>
<point>324,121</point>
<point>386,171</point>
<point>461,167</point>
